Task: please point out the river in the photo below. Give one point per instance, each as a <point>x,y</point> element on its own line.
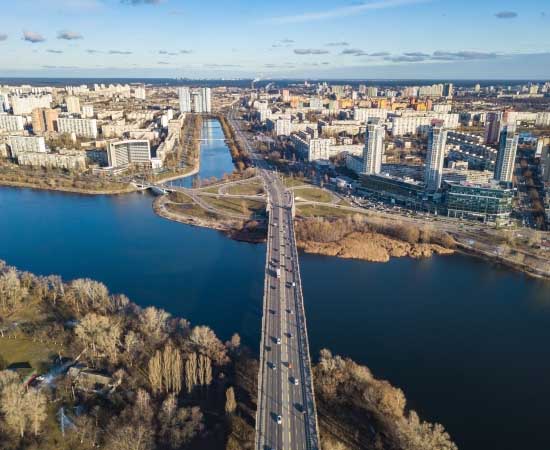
<point>466,341</point>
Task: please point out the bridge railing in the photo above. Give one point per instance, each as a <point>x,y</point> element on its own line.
<point>262,368</point>
<point>312,428</point>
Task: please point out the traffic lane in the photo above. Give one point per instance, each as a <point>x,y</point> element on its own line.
<point>296,354</point>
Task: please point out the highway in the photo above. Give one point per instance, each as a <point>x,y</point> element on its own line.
<point>286,416</point>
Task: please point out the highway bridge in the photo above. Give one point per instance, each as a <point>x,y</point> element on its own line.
<point>286,417</point>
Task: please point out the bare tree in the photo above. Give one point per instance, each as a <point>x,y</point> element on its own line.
<point>100,334</point>
<point>11,290</point>
<point>153,323</point>
<point>208,343</point>
<point>35,408</point>
<point>13,407</point>
<point>230,402</point>
<point>155,372</point>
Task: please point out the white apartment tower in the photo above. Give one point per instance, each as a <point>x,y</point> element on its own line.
<point>73,105</point>
<point>374,148</point>
<point>437,139</point>
<point>506,156</point>
<point>202,100</point>
<point>185,99</point>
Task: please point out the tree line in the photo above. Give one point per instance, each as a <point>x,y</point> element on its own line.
<point>171,382</point>
<point>325,230</point>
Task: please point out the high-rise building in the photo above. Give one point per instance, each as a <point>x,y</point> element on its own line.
<point>545,162</point>
<point>80,127</point>
<point>87,111</point>
<point>25,105</point>
<point>202,101</point>
<point>73,105</point>
<point>374,148</point>
<point>25,144</point>
<point>11,123</point>
<point>437,139</point>
<point>492,127</point>
<point>139,93</point>
<point>44,120</point>
<point>285,95</point>
<point>133,151</point>
<point>372,91</point>
<point>506,156</point>
<point>50,117</point>
<point>38,122</point>
<point>448,90</point>
<point>4,102</point>
<point>185,99</point>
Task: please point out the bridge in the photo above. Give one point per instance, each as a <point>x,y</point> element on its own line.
<point>286,416</point>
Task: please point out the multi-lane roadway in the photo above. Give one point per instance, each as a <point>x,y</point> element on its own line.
<point>286,415</point>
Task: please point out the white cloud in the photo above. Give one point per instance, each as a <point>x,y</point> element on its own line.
<point>341,12</point>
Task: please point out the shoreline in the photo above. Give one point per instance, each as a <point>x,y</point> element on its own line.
<point>19,184</point>
<point>402,249</point>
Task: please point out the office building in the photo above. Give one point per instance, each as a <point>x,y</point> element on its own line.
<point>506,156</point>
<point>185,99</point>
<point>122,153</point>
<point>80,127</point>
<point>484,202</point>
<point>448,90</point>
<point>374,148</point>
<point>492,127</point>
<point>26,144</point>
<point>11,123</point>
<point>437,139</point>
<point>73,105</point>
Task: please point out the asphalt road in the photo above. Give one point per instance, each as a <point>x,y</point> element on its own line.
<point>286,417</point>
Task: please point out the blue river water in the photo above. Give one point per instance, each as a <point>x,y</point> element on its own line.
<point>466,341</point>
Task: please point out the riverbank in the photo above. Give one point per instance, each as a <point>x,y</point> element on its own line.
<point>372,247</point>
<point>250,231</point>
<point>72,190</point>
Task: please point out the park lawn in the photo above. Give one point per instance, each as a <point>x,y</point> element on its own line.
<point>294,181</point>
<point>252,188</point>
<point>191,209</point>
<point>236,205</point>
<point>321,211</point>
<point>313,194</point>
<point>22,350</point>
<point>212,189</point>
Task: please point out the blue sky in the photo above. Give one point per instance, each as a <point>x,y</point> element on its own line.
<point>287,38</point>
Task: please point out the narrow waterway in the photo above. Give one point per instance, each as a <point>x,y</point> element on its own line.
<point>466,341</point>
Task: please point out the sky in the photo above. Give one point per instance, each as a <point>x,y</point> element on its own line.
<point>397,39</point>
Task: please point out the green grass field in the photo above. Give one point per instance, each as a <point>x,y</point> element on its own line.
<point>252,188</point>
<point>313,194</point>
<point>294,181</point>
<point>22,350</point>
<point>236,205</point>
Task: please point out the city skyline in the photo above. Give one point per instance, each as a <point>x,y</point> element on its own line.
<point>376,39</point>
